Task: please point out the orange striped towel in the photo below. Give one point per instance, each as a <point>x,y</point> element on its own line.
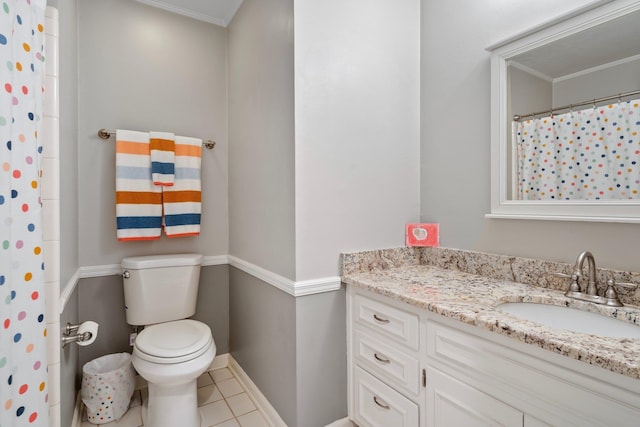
<point>138,201</point>
<point>183,201</point>
<point>162,146</point>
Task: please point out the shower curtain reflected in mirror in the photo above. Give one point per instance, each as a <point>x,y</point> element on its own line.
<point>23,364</point>
<point>589,154</point>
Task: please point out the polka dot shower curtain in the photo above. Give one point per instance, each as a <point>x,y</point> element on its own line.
<point>23,365</point>
<point>582,155</point>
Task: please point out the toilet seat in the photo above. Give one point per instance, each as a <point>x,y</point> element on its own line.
<point>173,342</point>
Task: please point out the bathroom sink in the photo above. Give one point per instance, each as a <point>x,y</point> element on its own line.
<point>571,319</point>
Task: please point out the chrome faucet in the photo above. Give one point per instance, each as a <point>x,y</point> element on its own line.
<point>610,296</point>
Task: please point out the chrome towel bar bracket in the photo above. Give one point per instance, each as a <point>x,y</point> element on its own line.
<point>106,134</point>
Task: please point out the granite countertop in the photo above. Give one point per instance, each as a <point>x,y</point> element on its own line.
<point>472,299</point>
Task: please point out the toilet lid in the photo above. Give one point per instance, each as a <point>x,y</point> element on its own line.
<point>173,339</point>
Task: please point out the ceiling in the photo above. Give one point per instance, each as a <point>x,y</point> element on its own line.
<point>607,43</point>
<point>219,12</point>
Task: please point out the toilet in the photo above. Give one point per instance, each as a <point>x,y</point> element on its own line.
<point>172,351</point>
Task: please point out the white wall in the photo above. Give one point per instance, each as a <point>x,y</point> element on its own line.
<point>143,68</point>
<point>64,385</point>
<point>357,128</point>
<point>455,179</point>
<point>606,82</point>
<point>528,93</point>
<point>50,194</point>
<point>68,131</point>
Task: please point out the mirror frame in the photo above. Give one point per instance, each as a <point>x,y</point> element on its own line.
<point>583,18</point>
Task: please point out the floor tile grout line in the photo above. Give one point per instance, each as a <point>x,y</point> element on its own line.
<point>141,385</point>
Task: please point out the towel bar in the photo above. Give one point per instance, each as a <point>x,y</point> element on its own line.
<point>106,134</point>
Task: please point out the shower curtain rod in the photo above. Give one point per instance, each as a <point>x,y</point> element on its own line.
<point>518,117</point>
<point>106,134</point>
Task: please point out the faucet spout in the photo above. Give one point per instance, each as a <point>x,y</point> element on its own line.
<point>591,264</point>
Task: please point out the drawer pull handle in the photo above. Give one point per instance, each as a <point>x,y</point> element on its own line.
<point>380,319</point>
<point>381,359</point>
<point>381,403</point>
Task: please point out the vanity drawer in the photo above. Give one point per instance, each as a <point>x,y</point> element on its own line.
<point>377,404</point>
<point>400,325</point>
<point>396,367</point>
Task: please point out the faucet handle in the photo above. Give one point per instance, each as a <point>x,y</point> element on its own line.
<point>574,287</point>
<point>611,295</point>
<point>612,283</point>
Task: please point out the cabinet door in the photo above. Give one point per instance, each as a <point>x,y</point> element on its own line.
<point>453,403</point>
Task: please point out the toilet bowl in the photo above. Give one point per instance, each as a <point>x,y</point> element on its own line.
<point>171,356</point>
<point>172,351</point>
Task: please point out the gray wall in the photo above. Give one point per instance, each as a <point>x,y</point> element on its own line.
<point>146,69</point>
<point>338,153</point>
<point>213,304</point>
<point>101,299</point>
<point>293,349</point>
<point>321,354</point>
<point>261,134</point>
<point>455,179</point>
<point>263,339</point>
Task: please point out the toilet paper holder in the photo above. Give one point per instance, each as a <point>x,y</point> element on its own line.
<point>70,334</point>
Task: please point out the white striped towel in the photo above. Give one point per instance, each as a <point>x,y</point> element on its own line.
<point>183,201</point>
<point>138,201</point>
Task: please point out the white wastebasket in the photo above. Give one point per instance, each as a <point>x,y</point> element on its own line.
<point>107,386</point>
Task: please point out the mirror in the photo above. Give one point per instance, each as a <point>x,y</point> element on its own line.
<point>586,63</point>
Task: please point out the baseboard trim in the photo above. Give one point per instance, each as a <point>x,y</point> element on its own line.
<point>261,402</point>
<point>219,362</point>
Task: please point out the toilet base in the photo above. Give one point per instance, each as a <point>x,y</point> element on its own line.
<point>173,390</point>
<point>172,406</point>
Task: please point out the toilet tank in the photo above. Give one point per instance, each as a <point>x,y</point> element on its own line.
<point>160,288</point>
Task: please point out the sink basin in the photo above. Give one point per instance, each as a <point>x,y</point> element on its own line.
<point>570,319</point>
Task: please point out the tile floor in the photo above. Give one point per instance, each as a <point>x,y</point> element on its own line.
<point>222,400</point>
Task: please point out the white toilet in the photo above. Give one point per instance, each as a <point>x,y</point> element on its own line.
<point>160,292</point>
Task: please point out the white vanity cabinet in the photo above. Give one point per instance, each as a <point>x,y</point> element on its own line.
<point>411,367</point>
<point>546,388</point>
